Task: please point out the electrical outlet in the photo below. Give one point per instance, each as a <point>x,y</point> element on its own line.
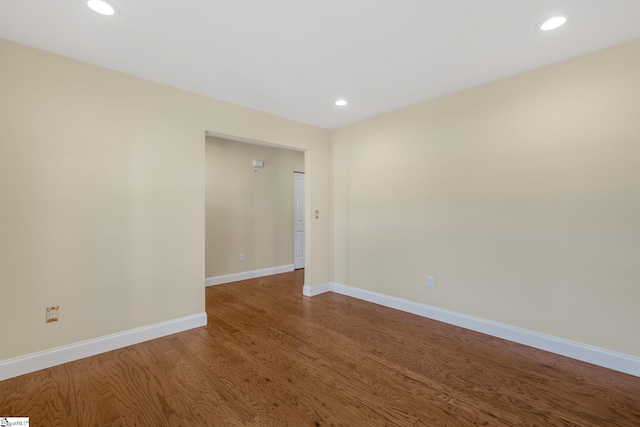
<point>429,281</point>
<point>53,313</point>
<point>241,257</point>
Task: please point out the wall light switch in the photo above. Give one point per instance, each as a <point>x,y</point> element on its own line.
<point>317,213</point>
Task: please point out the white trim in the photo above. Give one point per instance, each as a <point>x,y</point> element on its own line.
<point>236,277</point>
<point>575,350</point>
<point>45,359</point>
<point>313,290</point>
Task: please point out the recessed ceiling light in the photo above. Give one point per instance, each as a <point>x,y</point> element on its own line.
<point>103,7</point>
<point>341,102</point>
<point>553,22</point>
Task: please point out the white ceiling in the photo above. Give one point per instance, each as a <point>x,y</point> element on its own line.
<point>294,58</point>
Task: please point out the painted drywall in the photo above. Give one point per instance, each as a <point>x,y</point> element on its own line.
<point>102,177</point>
<point>520,197</point>
<point>248,210</point>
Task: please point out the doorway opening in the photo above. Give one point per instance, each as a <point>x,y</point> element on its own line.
<point>249,210</point>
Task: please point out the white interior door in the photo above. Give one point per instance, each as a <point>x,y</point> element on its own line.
<point>298,220</point>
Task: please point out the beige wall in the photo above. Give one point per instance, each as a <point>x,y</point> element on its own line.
<point>520,197</point>
<point>248,210</point>
<point>102,184</point>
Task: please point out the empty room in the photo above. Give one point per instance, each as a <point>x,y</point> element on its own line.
<point>320,213</point>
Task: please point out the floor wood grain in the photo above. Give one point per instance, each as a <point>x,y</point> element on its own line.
<point>271,357</point>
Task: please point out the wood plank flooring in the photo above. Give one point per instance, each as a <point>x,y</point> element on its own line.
<point>271,357</point>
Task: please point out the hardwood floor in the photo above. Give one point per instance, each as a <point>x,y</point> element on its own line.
<point>271,357</point>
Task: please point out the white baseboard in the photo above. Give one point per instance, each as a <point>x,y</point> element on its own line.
<point>235,277</point>
<point>311,291</point>
<point>45,359</point>
<point>575,350</point>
